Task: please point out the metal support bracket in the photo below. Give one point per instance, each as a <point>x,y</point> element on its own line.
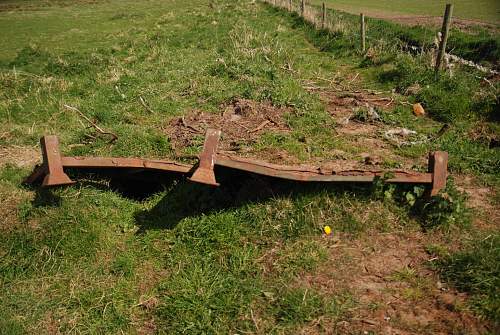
<point>52,163</point>
<point>438,167</point>
<point>205,171</point>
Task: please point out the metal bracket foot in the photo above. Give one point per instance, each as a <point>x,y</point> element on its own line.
<point>438,166</point>
<point>53,163</point>
<point>205,171</point>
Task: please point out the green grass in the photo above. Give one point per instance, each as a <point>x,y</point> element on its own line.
<point>484,10</point>
<point>187,259</point>
<point>476,270</point>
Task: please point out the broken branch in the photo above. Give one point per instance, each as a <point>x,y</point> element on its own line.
<point>145,105</point>
<point>114,137</point>
<point>262,125</point>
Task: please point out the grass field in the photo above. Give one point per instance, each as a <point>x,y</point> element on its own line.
<point>482,11</point>
<point>249,257</point>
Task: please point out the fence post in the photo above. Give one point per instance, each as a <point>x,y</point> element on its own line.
<point>445,30</point>
<point>290,5</point>
<point>323,16</point>
<point>302,7</point>
<point>363,32</point>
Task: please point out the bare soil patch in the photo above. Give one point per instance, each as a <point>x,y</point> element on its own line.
<point>465,25</point>
<point>395,290</point>
<point>19,156</point>
<point>481,200</point>
<point>242,122</point>
<point>365,134</point>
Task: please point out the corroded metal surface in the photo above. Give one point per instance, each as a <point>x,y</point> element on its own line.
<point>120,162</point>
<point>204,174</point>
<point>312,174</point>
<point>438,166</point>
<point>55,175</point>
<point>53,164</point>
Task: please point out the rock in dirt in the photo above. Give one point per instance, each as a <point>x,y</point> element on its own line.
<point>418,110</point>
<point>404,136</point>
<point>373,160</point>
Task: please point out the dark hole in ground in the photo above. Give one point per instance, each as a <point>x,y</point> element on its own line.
<point>132,184</point>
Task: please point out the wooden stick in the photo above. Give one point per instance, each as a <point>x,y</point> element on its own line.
<point>444,35</point>
<point>145,105</point>
<point>363,32</point>
<point>99,129</point>
<point>302,7</point>
<point>262,125</point>
<point>323,16</point>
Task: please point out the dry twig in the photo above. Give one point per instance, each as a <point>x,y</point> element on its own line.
<point>262,125</point>
<point>145,105</point>
<point>114,137</point>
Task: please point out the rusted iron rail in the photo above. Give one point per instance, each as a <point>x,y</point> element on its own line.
<point>52,168</point>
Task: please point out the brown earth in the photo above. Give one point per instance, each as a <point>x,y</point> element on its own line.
<point>367,134</point>
<point>482,199</point>
<point>436,21</point>
<point>242,122</point>
<point>20,156</point>
<point>389,276</point>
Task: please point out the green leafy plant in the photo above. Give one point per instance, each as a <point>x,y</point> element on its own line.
<point>445,210</point>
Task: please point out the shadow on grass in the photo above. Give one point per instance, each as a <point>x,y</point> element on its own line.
<point>186,199</point>
<point>45,198</point>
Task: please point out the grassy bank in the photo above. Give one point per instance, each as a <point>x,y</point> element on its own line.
<point>249,257</point>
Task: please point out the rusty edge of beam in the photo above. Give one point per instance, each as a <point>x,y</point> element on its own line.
<point>41,171</point>
<point>119,162</point>
<point>314,175</point>
<point>247,165</point>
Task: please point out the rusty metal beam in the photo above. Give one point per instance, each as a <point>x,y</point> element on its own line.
<point>53,164</point>
<point>315,175</point>
<point>438,167</point>
<point>119,162</point>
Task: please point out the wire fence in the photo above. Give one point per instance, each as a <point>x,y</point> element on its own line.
<point>376,36</point>
<point>351,27</point>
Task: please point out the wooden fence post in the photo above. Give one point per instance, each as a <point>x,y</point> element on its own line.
<point>363,32</point>
<point>323,16</point>
<point>290,5</point>
<point>302,7</point>
<point>445,30</point>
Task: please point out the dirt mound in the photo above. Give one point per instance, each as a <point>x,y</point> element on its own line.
<point>242,122</point>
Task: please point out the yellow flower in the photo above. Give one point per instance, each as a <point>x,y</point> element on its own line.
<point>327,230</point>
